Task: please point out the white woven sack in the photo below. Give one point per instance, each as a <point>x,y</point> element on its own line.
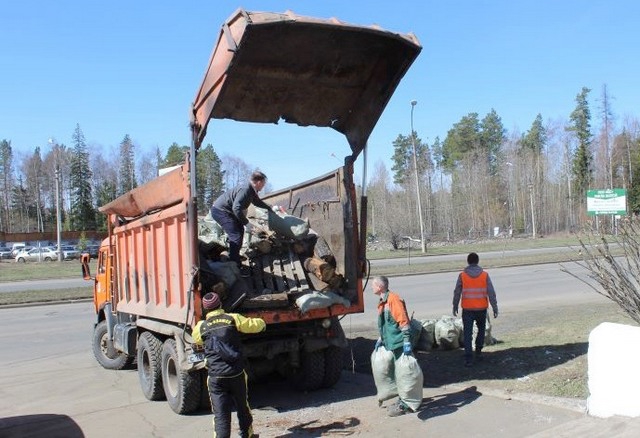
<point>447,334</point>
<point>382,367</point>
<point>427,339</point>
<point>409,379</point>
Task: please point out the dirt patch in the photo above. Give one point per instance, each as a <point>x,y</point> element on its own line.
<point>538,351</point>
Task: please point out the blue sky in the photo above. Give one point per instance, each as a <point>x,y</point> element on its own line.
<point>133,67</point>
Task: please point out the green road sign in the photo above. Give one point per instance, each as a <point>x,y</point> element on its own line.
<point>608,201</point>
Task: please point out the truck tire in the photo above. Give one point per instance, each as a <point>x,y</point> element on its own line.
<point>181,388</point>
<point>333,363</point>
<point>103,350</point>
<point>310,375</point>
<point>149,368</point>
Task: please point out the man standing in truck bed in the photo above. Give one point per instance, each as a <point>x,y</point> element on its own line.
<point>230,210</point>
<point>227,379</point>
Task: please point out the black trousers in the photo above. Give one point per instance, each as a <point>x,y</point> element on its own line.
<point>227,393</point>
<point>234,229</point>
<point>468,318</point>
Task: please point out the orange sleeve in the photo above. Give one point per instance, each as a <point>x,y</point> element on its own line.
<point>398,310</point>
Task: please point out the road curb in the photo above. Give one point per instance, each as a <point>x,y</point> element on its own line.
<point>575,405</point>
<point>46,303</point>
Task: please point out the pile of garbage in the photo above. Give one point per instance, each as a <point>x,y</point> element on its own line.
<point>445,333</point>
<point>272,238</point>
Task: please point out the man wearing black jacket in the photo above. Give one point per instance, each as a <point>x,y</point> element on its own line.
<point>230,210</point>
<point>227,379</point>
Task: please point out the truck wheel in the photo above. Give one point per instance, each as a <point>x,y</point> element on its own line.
<point>310,375</point>
<point>149,369</point>
<point>103,350</point>
<point>181,388</point>
<point>333,363</point>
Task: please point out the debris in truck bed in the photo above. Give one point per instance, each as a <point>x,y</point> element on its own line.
<point>280,269</point>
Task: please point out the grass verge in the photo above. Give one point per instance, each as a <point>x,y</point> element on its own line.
<point>425,266</point>
<point>13,271</point>
<point>542,352</point>
<point>45,296</point>
<point>477,246</point>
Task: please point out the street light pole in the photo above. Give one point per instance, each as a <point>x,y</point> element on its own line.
<point>58,215</point>
<point>415,168</point>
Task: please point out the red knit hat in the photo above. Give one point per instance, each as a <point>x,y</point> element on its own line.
<point>211,301</point>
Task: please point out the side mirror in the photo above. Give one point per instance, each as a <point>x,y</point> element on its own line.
<point>86,271</point>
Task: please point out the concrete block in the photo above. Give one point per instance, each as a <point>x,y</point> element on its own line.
<point>614,370</point>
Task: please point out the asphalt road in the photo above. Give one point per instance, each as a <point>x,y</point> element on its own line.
<point>48,371</point>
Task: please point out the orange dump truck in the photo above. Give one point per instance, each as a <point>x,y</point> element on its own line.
<point>157,261</point>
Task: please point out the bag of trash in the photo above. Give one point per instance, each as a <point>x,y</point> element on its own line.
<point>460,327</point>
<point>288,226</point>
<point>320,300</point>
<point>415,333</point>
<point>227,272</point>
<point>446,333</point>
<point>427,340</point>
<point>210,231</point>
<point>382,367</point>
<point>409,380</point>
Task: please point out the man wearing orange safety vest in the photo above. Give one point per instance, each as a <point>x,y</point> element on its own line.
<point>476,290</point>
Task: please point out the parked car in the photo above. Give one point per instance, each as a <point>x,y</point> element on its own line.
<point>44,254</point>
<point>17,247</point>
<point>69,252</point>
<point>92,250</point>
<point>5,252</point>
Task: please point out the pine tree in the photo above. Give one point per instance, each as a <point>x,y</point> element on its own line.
<point>462,139</point>
<point>175,155</point>
<point>536,138</point>
<point>83,214</point>
<point>583,157</point>
<point>403,159</point>
<point>210,177</point>
<point>492,135</point>
<point>127,173</point>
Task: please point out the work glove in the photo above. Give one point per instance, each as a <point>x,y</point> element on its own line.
<point>455,311</point>
<point>495,313</point>
<point>378,343</point>
<point>406,348</point>
<point>278,209</point>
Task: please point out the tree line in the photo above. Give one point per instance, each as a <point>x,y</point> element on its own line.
<point>81,182</point>
<point>478,181</point>
<point>481,180</point>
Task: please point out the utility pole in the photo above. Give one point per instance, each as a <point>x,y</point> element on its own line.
<point>415,168</point>
<point>58,215</point>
